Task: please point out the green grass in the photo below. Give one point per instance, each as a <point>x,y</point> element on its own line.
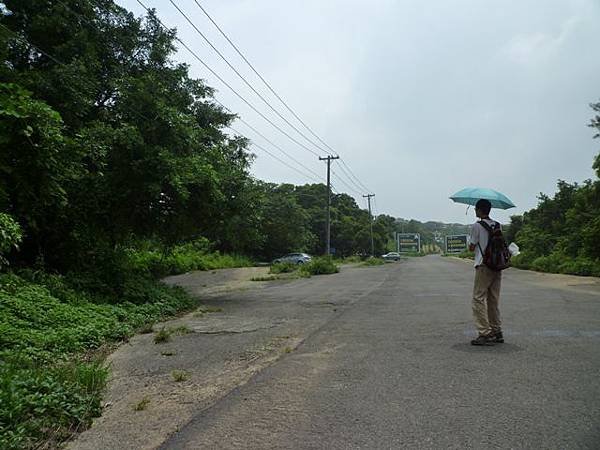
<point>278,268</point>
<point>180,375</point>
<point>374,262</point>
<point>50,386</point>
<point>465,255</point>
<point>211,309</point>
<point>267,278</point>
<point>163,335</point>
<point>413,254</point>
<point>558,263</point>
<point>318,266</point>
<point>142,404</point>
<point>351,260</point>
<point>183,258</point>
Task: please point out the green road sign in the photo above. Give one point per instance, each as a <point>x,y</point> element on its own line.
<point>457,243</point>
<point>409,242</point>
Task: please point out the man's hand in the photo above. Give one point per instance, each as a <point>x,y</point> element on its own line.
<point>471,247</point>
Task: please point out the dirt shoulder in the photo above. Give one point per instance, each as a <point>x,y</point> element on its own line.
<point>250,326</point>
<point>589,285</point>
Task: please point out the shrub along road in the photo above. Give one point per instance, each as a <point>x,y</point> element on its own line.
<point>374,357</point>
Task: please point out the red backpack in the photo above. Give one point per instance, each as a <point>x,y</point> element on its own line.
<point>496,255</point>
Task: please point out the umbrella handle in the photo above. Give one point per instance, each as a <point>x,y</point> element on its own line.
<point>467,211</point>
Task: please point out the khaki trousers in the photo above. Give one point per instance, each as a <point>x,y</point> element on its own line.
<point>486,296</point>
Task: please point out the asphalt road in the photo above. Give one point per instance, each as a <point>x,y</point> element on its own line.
<point>390,366</point>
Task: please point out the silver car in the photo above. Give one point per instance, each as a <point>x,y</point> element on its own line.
<point>293,258</point>
<point>391,256</point>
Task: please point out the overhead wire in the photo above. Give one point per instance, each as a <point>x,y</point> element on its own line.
<point>234,91</point>
<point>351,176</point>
<point>260,76</point>
<point>344,183</point>
<point>265,101</point>
<point>316,176</point>
<point>237,94</point>
<point>363,186</point>
<point>273,155</point>
<point>246,82</point>
<point>267,139</point>
<point>343,169</point>
<point>61,63</point>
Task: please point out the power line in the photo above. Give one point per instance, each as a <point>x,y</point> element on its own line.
<point>239,52</point>
<point>345,184</point>
<point>228,85</point>
<point>274,156</point>
<point>265,101</point>
<point>57,61</point>
<point>355,177</point>
<point>360,188</point>
<point>261,77</point>
<point>267,139</point>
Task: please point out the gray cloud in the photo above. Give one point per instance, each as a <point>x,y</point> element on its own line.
<point>420,98</point>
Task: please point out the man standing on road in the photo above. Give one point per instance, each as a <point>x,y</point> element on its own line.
<point>486,288</point>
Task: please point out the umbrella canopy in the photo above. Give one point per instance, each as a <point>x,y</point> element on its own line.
<point>470,196</point>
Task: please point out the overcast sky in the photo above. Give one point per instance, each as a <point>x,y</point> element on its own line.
<point>419,98</point>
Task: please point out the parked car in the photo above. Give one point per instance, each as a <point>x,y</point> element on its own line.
<point>391,256</point>
<point>293,258</point>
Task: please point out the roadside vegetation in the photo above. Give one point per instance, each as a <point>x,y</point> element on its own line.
<point>374,262</point>
<point>51,336</point>
<point>324,265</point>
<point>318,266</point>
<point>562,234</point>
<point>117,169</point>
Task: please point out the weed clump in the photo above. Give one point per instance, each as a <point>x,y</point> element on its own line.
<point>319,266</point>
<point>180,375</point>
<point>163,335</point>
<point>142,404</point>
<point>374,262</point>
<point>268,278</point>
<point>283,268</point>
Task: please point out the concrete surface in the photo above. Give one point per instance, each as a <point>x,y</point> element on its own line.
<point>372,358</point>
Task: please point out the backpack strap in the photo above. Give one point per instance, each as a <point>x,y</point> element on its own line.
<point>488,227</point>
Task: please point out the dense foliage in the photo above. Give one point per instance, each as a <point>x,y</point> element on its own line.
<point>49,387</point>
<point>115,170</point>
<point>562,234</point>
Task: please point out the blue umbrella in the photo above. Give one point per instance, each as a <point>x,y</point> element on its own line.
<point>470,196</point>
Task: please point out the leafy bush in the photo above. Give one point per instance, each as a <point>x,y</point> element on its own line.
<point>45,324</point>
<point>195,255</point>
<point>10,236</point>
<point>283,268</point>
<point>319,266</point>
<point>413,253</point>
<point>352,260</point>
<point>467,254</point>
<point>556,262</point>
<point>374,262</point>
<point>45,403</point>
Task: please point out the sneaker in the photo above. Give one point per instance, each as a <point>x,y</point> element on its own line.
<point>497,337</point>
<point>483,340</point>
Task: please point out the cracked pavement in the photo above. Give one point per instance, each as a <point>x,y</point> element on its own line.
<point>374,357</point>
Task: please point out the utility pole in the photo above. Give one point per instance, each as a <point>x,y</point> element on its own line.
<point>368,197</point>
<point>329,158</point>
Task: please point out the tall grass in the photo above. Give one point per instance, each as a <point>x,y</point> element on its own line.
<point>48,385</point>
<point>181,259</point>
<point>319,266</point>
